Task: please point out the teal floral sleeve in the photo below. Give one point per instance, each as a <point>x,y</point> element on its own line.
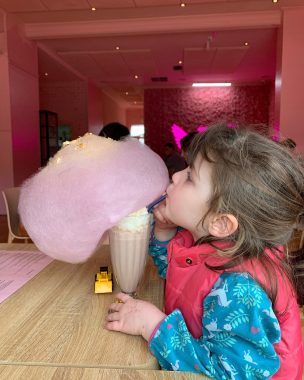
<point>238,333</point>
<point>158,251</point>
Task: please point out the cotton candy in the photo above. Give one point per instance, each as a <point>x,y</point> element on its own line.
<point>85,189</point>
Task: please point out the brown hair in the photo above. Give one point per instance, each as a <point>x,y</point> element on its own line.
<point>261,184</point>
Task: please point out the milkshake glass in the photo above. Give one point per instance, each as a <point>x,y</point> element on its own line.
<point>129,241</point>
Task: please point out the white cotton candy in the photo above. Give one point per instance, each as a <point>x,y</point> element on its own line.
<point>85,189</point>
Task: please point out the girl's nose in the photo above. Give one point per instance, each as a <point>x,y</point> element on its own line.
<point>174,177</point>
<point>177,175</point>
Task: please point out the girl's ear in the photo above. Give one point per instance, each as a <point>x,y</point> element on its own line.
<point>223,225</point>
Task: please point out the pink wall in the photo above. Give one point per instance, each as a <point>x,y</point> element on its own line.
<point>94,109</point>
<point>112,111</point>
<point>80,105</point>
<point>273,125</point>
<point>25,123</point>
<point>6,153</point>
<point>69,100</point>
<point>134,116</point>
<point>191,107</point>
<point>292,106</point>
<point>19,128</point>
<point>277,86</point>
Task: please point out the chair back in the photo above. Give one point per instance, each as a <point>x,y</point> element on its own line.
<point>297,240</point>
<point>11,200</point>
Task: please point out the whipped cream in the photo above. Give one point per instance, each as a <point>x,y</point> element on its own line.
<point>135,222</point>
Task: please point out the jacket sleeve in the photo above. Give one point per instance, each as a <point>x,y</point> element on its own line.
<point>158,251</point>
<point>238,333</point>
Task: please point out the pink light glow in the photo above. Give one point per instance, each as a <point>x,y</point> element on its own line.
<point>276,132</point>
<point>178,134</point>
<point>202,128</point>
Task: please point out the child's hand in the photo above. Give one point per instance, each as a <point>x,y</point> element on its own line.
<point>133,316</point>
<point>164,228</point>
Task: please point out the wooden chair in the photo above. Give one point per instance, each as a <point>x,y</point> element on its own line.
<point>11,200</point>
<point>297,241</point>
<point>296,254</point>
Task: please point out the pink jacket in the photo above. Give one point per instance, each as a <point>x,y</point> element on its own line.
<point>189,281</point>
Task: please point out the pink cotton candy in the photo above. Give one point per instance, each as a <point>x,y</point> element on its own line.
<point>85,189</point>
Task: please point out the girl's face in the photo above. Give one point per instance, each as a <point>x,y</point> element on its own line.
<point>188,197</point>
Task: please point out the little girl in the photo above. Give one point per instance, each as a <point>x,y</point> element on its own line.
<point>230,306</point>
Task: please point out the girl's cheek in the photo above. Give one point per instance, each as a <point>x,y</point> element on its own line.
<point>167,211</point>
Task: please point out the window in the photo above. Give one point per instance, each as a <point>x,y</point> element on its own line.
<point>138,131</point>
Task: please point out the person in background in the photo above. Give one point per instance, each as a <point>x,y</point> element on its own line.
<point>230,306</point>
<point>289,143</point>
<point>185,143</point>
<point>115,131</point>
<point>173,160</point>
<point>291,146</point>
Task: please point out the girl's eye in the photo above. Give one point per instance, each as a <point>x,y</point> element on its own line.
<point>188,176</point>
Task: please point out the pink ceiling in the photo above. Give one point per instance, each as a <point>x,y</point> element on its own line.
<point>62,5</point>
<point>207,55</point>
<point>226,58</point>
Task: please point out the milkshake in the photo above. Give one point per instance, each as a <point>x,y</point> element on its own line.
<point>129,241</point>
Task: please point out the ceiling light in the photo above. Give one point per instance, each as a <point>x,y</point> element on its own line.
<point>46,74</point>
<point>198,84</point>
<point>136,76</point>
<point>135,102</point>
<point>93,9</point>
<point>183,5</point>
<point>126,93</point>
<point>180,62</point>
<point>275,1</point>
<point>117,48</point>
<point>246,43</point>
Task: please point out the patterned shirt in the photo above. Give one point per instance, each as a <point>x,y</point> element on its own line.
<point>237,335</point>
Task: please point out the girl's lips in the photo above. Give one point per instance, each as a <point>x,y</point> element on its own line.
<point>168,191</point>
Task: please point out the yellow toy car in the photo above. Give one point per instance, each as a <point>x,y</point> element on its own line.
<point>103,281</point>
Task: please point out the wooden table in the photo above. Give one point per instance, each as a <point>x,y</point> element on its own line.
<point>16,372</point>
<point>56,319</point>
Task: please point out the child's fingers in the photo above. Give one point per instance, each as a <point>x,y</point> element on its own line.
<point>115,307</point>
<point>161,220</point>
<point>113,326</point>
<point>159,217</point>
<point>113,317</point>
<point>123,297</point>
<point>159,214</point>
